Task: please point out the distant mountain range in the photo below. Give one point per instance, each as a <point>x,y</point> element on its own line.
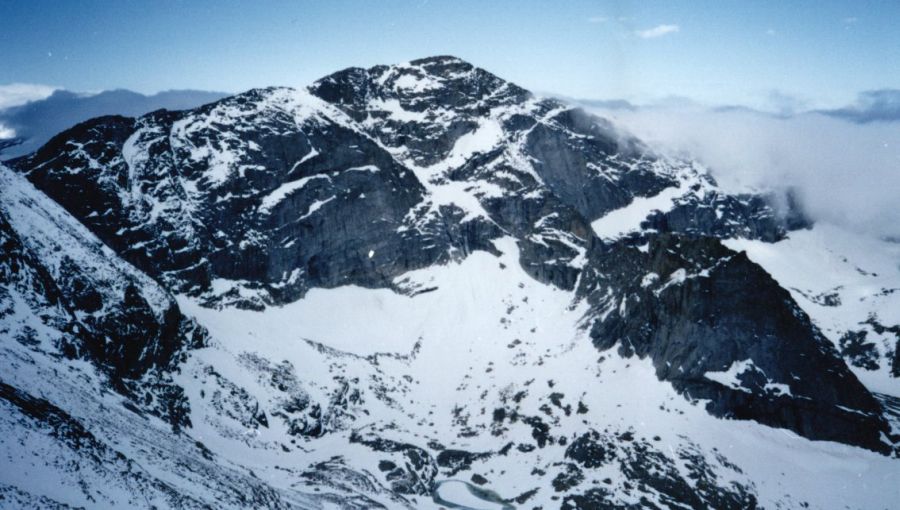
<point>872,106</point>
<point>34,123</point>
<point>882,105</point>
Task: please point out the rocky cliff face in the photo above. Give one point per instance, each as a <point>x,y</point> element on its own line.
<point>65,292</point>
<point>722,330</point>
<point>258,197</point>
<point>215,203</point>
<point>415,183</point>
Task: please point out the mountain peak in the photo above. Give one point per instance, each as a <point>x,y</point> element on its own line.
<point>439,59</point>
<point>372,255</point>
<point>441,82</point>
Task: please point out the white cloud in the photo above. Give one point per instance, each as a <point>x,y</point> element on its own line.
<point>843,172</point>
<point>851,20</point>
<point>597,19</point>
<point>657,31</point>
<point>16,94</point>
<point>784,103</point>
<point>6,132</point>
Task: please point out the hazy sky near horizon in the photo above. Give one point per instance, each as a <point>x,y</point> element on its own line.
<point>770,55</point>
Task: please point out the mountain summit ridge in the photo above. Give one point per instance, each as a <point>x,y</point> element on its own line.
<point>34,123</point>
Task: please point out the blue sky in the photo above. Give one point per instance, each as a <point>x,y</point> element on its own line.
<point>761,54</point>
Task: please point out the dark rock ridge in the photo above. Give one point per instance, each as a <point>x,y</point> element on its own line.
<point>56,275</point>
<point>370,173</point>
<point>86,451</point>
<point>416,470</point>
<point>274,191</point>
<point>190,219</point>
<point>68,431</point>
<point>647,467</point>
<point>747,216</point>
<point>863,354</point>
<point>721,329</point>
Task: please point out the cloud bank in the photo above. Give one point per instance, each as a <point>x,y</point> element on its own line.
<point>16,94</point>
<point>881,105</point>
<point>843,172</point>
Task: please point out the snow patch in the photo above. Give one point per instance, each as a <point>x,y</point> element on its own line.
<point>620,222</point>
<point>280,193</point>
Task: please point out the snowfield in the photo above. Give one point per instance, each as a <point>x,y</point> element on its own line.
<point>450,351</point>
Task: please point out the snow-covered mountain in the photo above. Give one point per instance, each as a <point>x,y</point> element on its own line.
<point>31,125</point>
<point>420,286</point>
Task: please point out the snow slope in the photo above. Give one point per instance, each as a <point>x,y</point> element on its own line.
<point>451,356</point>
